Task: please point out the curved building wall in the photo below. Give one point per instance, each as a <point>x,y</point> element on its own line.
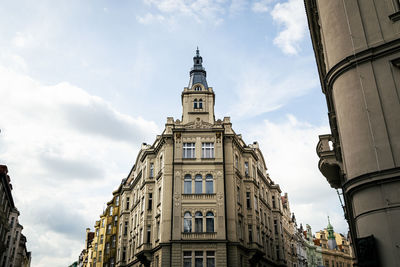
<point>357,47</point>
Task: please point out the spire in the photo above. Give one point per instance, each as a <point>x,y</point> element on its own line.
<point>197,73</point>
<point>331,236</point>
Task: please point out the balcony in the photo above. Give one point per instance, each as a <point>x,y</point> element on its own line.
<point>328,164</point>
<point>199,236</point>
<point>198,196</point>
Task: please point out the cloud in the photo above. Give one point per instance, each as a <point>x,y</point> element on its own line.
<point>289,150</point>
<point>150,18</point>
<point>291,16</point>
<point>261,6</point>
<point>261,89</point>
<point>66,150</point>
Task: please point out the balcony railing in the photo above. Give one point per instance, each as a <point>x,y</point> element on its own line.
<point>198,196</point>
<point>199,236</point>
<point>328,164</point>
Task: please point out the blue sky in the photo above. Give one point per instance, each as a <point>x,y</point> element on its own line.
<point>84,83</point>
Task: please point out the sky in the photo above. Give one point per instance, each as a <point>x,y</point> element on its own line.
<point>84,83</point>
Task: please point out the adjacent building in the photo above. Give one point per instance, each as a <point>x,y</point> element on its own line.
<point>356,45</point>
<point>7,204</point>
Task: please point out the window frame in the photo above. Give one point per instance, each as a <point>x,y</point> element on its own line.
<point>207,150</point>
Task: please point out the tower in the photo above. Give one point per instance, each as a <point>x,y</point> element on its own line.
<point>331,236</point>
<point>356,45</point>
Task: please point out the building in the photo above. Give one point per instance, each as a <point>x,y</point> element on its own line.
<point>7,204</point>
<point>84,256</point>
<point>16,253</point>
<point>356,45</point>
<point>198,196</point>
<point>335,248</point>
<point>101,245</point>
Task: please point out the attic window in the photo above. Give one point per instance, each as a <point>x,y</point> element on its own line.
<point>197,88</point>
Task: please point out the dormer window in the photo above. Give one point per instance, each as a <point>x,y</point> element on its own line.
<point>200,103</point>
<point>197,88</point>
<point>195,103</point>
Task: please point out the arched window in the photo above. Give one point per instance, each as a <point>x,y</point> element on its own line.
<point>200,103</point>
<point>187,222</point>
<point>195,103</point>
<point>198,184</point>
<point>198,222</point>
<point>210,222</point>
<point>197,88</point>
<point>209,184</point>
<point>188,184</point>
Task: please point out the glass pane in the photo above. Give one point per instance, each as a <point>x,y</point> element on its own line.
<point>209,187</point>
<point>187,225</point>
<point>210,224</point>
<point>187,262</point>
<point>199,187</point>
<point>211,262</point>
<point>188,187</point>
<point>199,262</point>
<point>199,225</point>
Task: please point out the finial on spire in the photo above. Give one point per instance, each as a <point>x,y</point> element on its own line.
<point>197,51</point>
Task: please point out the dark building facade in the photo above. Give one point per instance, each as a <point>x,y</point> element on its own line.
<point>7,204</point>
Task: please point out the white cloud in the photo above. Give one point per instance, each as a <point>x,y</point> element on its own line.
<point>66,150</point>
<point>150,18</point>
<point>291,16</point>
<point>261,6</point>
<point>268,90</point>
<point>289,151</point>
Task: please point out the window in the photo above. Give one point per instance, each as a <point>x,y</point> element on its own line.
<point>209,184</point>
<point>117,201</point>
<point>207,150</point>
<point>111,211</point>
<point>107,248</point>
<point>102,222</point>
<point>188,150</point>
<point>210,258</point>
<point>236,161</point>
<point>276,226</point>
<point>158,228</point>
<point>109,229</point>
<point>198,258</point>
<point>151,170</point>
<point>198,184</point>
<point>187,184</point>
<point>101,239</point>
<point>198,222</point>
<point>126,228</point>
<point>123,253</point>
<point>195,103</point>
<point>159,194</point>
<point>142,203</point>
<point>246,169</point>
<point>187,222</point>
<point>150,201</point>
<point>161,162</point>
<point>255,202</point>
<point>112,262</point>
<point>197,88</point>
<point>187,259</point>
<point>200,103</point>
<point>273,202</point>
<point>127,203</point>
<point>238,194</point>
<point>115,220</point>
<point>248,205</point>
<point>277,252</point>
<point>148,239</point>
<point>210,222</point>
<point>113,241</point>
<point>250,233</point>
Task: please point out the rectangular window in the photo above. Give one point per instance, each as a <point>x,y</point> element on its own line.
<point>210,258</point>
<point>254,172</point>
<point>107,248</point>
<point>113,241</point>
<point>126,228</point>
<point>117,201</point>
<point>276,226</point>
<point>187,184</point>
<point>198,258</point>
<point>142,203</point>
<point>158,229</point>
<point>236,161</point>
<point>277,253</point>
<point>148,234</point>
<point>151,170</point>
<point>250,233</point>
<point>255,202</point>
<point>187,259</point>
<point>150,201</point>
<point>246,169</point>
<point>123,253</point>
<point>198,184</point>
<point>209,184</point>
<point>273,202</point>
<point>115,220</point>
<point>101,239</point>
<point>109,228</point>
<point>159,194</point>
<point>248,205</point>
<point>127,203</point>
<point>111,211</point>
<point>188,151</point>
<point>100,255</point>
<point>207,150</point>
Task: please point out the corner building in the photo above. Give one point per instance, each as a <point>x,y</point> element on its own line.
<point>199,196</point>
